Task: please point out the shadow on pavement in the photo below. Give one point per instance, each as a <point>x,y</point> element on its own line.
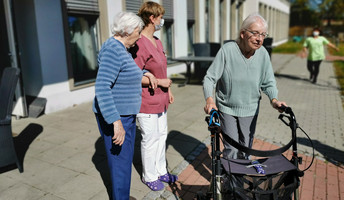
<point>190,148</point>
<point>326,85</point>
<point>137,162</point>
<point>25,138</point>
<point>291,77</point>
<point>331,154</point>
<point>192,191</point>
<point>22,143</point>
<point>174,139</point>
<point>99,160</point>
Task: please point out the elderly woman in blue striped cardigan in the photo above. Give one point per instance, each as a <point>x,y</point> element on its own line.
<point>118,100</point>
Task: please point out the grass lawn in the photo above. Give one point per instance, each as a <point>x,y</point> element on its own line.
<point>288,47</point>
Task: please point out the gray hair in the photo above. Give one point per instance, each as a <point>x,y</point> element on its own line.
<point>251,19</point>
<point>125,23</point>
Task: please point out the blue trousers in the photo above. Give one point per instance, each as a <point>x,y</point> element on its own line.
<point>119,157</point>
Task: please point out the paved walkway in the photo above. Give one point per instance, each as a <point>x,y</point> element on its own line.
<point>64,156</point>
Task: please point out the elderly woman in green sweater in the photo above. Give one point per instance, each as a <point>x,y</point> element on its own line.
<point>240,70</point>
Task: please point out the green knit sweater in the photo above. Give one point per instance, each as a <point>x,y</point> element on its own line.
<point>239,80</point>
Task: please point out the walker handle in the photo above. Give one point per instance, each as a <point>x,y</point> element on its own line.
<point>285,109</point>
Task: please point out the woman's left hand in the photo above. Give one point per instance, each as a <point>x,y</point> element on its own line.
<point>170,96</point>
<point>277,104</point>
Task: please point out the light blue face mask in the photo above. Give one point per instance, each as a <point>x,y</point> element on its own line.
<point>159,26</point>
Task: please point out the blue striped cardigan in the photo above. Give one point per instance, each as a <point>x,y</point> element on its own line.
<point>118,83</point>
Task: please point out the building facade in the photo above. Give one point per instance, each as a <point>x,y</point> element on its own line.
<point>55,43</point>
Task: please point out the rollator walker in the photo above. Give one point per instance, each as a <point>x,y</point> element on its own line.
<point>270,177</point>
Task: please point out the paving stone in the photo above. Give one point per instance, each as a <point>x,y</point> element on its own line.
<point>68,151</point>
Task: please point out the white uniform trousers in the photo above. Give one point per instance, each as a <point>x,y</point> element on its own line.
<point>153,145</point>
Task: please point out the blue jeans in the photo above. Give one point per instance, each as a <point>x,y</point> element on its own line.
<point>119,157</point>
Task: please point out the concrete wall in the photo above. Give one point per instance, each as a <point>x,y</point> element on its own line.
<point>199,35</point>
<point>276,13</point>
<point>43,54</point>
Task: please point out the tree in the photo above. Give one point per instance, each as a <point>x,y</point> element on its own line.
<point>302,14</point>
<point>332,10</point>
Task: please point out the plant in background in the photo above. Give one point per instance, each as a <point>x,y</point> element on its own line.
<point>339,68</point>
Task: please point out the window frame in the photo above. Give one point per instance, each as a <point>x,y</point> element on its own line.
<point>73,85</point>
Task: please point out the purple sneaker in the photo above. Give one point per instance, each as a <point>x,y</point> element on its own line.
<point>154,185</point>
<point>168,178</point>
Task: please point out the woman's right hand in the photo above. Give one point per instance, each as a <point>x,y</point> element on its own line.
<point>118,133</point>
<point>210,104</point>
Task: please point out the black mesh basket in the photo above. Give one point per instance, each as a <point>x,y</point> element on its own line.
<point>240,182</point>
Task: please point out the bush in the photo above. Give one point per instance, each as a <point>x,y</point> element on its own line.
<point>339,68</point>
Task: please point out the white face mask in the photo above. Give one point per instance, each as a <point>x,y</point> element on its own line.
<point>315,33</point>
<point>159,26</point>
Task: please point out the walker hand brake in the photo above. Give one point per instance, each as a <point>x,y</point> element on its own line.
<point>281,118</point>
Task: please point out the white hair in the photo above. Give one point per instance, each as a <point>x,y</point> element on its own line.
<point>125,23</point>
<point>251,19</point>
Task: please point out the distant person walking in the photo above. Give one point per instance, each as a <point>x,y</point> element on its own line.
<point>316,53</point>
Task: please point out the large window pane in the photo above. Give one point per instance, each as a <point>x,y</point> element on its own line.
<point>83,47</point>
<point>190,38</point>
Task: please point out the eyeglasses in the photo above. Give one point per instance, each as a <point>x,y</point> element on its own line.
<point>256,33</point>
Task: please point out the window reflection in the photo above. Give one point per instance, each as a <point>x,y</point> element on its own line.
<point>167,40</point>
<point>84,47</point>
<point>190,37</point>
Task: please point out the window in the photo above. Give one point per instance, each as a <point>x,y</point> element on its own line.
<point>133,5</point>
<point>190,38</point>
<point>84,47</point>
<point>167,31</point>
<point>207,20</point>
<point>82,40</point>
<point>167,40</point>
<point>191,23</point>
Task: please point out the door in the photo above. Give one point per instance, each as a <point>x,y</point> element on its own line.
<point>8,54</point>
